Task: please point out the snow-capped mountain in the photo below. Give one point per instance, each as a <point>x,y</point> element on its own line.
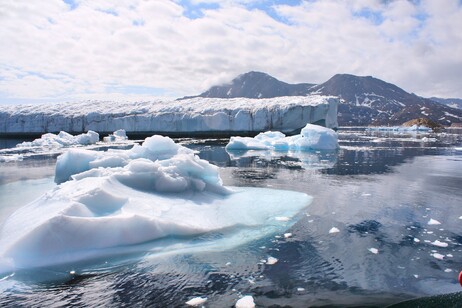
<point>451,102</point>
<point>365,100</point>
<point>257,85</point>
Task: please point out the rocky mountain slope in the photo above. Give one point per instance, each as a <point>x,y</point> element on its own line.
<point>365,100</point>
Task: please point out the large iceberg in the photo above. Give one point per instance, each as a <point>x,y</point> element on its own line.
<point>184,117</point>
<point>156,197</point>
<point>312,137</point>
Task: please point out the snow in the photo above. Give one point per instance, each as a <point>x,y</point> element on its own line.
<point>245,302</point>
<point>156,197</point>
<point>312,137</point>
<point>63,139</point>
<point>180,116</point>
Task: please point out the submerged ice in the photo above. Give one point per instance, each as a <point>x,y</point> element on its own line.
<point>111,203</point>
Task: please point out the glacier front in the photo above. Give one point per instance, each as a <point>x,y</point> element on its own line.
<point>189,117</point>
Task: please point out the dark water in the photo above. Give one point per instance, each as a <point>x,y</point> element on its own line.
<point>379,190</point>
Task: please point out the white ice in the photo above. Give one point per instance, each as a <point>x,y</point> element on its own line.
<point>413,128</point>
<point>245,302</point>
<point>62,139</point>
<point>312,137</point>
<point>153,197</point>
<point>117,136</point>
<point>196,301</point>
<point>187,116</point>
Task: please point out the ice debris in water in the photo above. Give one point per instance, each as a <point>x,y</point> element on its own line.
<point>196,301</point>
<point>439,244</point>
<point>438,256</point>
<point>374,250</point>
<point>271,261</point>
<point>433,222</point>
<point>112,201</point>
<point>334,230</point>
<point>63,139</point>
<point>117,136</point>
<point>245,302</point>
<point>287,235</point>
<point>312,137</point>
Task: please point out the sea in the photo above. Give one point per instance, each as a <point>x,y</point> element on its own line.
<point>384,229</point>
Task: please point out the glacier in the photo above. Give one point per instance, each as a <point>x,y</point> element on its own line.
<point>179,117</point>
<point>158,197</point>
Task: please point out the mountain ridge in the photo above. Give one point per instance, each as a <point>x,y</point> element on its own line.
<point>366,100</point>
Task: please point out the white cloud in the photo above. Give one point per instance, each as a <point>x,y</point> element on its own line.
<point>51,51</point>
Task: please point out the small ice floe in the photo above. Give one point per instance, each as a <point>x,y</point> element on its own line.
<point>429,232</point>
<point>440,244</point>
<point>271,261</point>
<point>416,276</point>
<point>460,217</point>
<point>245,302</point>
<point>437,256</point>
<point>228,263</point>
<point>282,218</point>
<point>251,281</point>
<point>310,221</point>
<point>416,240</point>
<point>300,289</point>
<point>448,270</point>
<point>374,250</point>
<point>287,235</point>
<point>334,230</point>
<point>196,301</point>
<point>72,272</point>
<point>365,195</point>
<point>433,222</point>
<point>449,255</point>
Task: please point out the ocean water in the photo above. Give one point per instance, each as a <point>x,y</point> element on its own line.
<point>379,191</point>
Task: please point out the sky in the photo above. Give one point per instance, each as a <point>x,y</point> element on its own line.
<point>75,50</point>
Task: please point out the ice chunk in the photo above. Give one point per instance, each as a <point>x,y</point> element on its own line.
<point>433,222</point>
<point>438,256</point>
<point>374,250</point>
<point>439,244</point>
<point>141,205</point>
<point>62,139</point>
<point>312,137</point>
<point>287,235</point>
<point>117,136</point>
<point>245,302</point>
<point>334,230</point>
<point>196,301</point>
<point>271,261</point>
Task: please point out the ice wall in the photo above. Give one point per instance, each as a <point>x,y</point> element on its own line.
<point>198,115</point>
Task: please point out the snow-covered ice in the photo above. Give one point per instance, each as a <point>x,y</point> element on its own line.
<point>180,116</point>
<point>152,197</point>
<point>312,137</point>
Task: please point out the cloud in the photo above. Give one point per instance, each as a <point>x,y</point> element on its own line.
<point>74,49</point>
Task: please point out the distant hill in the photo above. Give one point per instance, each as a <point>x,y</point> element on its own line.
<point>451,102</point>
<point>256,85</point>
<point>365,100</point>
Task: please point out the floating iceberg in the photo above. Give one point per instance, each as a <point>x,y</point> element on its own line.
<point>158,197</point>
<point>185,117</point>
<point>117,136</point>
<point>63,139</point>
<point>413,128</point>
<point>312,137</point>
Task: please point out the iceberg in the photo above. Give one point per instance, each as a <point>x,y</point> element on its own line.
<point>413,128</point>
<point>312,137</point>
<point>187,117</point>
<point>156,197</point>
<point>63,139</point>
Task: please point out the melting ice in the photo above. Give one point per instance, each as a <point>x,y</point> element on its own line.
<point>158,197</point>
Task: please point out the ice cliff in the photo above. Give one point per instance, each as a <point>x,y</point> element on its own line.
<point>184,117</point>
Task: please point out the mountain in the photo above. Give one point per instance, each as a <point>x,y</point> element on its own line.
<point>371,101</point>
<point>256,85</point>
<point>365,100</point>
<point>451,102</point>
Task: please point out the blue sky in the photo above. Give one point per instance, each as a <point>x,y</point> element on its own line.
<point>138,50</point>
